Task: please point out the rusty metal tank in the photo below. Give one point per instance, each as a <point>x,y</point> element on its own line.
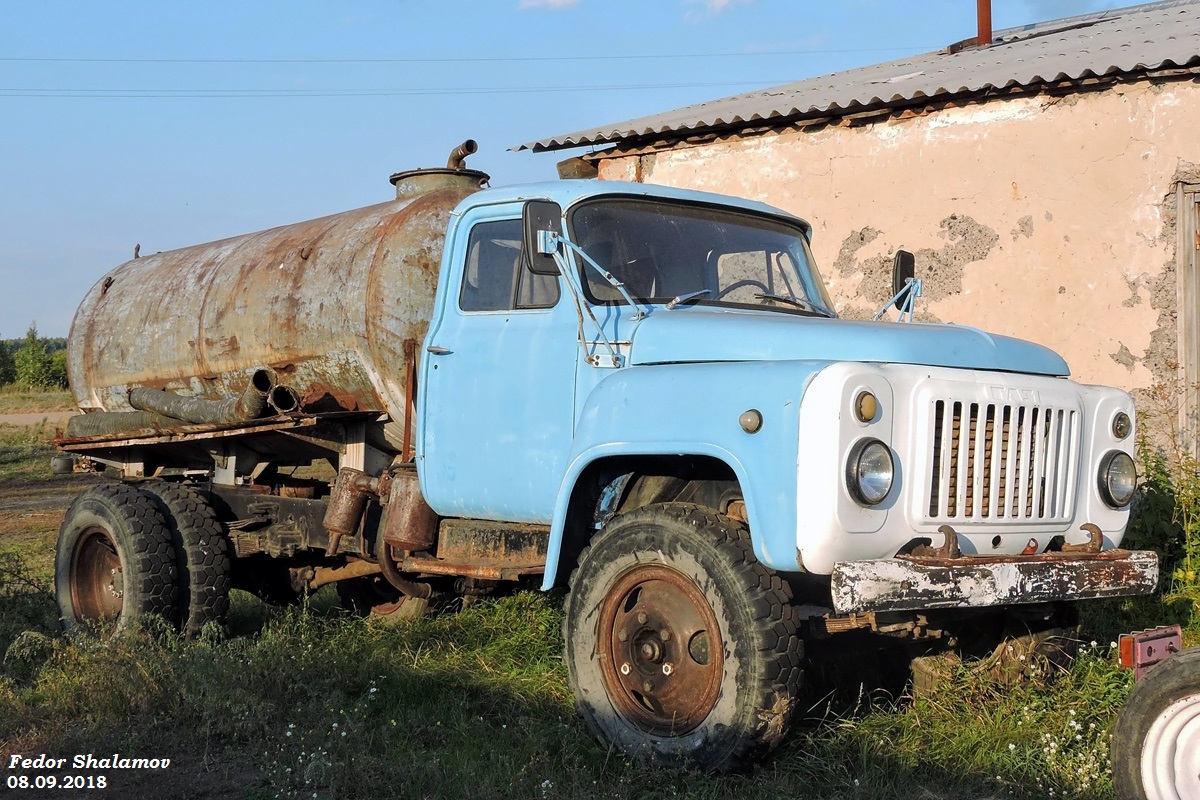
<point>327,304</point>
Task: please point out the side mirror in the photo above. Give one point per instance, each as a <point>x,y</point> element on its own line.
<point>904,267</point>
<point>540,217</point>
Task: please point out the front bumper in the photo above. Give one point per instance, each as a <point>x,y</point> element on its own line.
<point>912,583</point>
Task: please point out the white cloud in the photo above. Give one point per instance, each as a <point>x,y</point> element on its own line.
<point>553,5</point>
<point>711,8</point>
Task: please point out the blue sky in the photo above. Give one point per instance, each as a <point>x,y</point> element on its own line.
<point>172,124</point>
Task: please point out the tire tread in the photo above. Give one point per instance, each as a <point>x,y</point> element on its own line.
<point>202,552</point>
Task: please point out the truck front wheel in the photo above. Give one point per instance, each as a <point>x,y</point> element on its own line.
<point>114,562</point>
<point>679,644</point>
<point>1156,741</point>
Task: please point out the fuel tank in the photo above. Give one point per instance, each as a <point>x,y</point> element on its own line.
<point>327,304</point>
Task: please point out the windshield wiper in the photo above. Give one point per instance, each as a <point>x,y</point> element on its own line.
<point>680,299</point>
<point>795,301</point>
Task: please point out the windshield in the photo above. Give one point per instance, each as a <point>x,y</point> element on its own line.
<point>665,251</point>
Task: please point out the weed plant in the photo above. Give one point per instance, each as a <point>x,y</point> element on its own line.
<point>1167,513</point>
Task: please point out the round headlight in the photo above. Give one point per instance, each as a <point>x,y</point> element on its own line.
<point>869,471</point>
<point>1118,479</point>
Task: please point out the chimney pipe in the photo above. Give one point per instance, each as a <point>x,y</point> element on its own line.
<point>984,11</point>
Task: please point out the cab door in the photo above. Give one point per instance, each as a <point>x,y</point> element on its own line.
<point>497,383</point>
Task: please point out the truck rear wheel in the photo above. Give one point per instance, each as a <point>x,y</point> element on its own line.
<point>1156,741</point>
<point>201,551</point>
<point>114,562</point>
<point>679,645</point>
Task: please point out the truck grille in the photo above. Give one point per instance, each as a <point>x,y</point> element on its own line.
<point>998,462</point>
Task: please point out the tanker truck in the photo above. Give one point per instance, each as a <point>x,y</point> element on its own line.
<point>640,394</point>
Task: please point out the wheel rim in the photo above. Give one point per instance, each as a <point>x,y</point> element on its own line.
<point>1171,752</point>
<point>663,656</point>
<point>97,577</point>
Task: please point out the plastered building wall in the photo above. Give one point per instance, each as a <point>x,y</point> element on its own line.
<point>1050,219</point>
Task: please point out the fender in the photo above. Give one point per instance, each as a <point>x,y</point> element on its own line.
<point>635,411</point>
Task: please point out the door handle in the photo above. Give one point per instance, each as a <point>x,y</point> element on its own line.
<point>438,351</point>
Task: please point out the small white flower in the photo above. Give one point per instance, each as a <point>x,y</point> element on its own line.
<point>1012,746</point>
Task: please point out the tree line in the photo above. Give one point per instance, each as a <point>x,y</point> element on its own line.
<point>34,362</point>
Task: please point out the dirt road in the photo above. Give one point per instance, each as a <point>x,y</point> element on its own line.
<point>53,417</point>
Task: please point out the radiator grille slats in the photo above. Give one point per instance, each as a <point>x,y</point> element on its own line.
<point>1001,462</point>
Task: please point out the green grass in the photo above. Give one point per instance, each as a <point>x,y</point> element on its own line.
<point>25,451</point>
<point>14,400</point>
<point>295,702</point>
<point>475,704</point>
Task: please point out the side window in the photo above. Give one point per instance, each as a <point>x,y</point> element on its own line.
<point>494,280</point>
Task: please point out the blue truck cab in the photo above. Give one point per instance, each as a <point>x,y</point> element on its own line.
<point>639,394</point>
<point>669,359</point>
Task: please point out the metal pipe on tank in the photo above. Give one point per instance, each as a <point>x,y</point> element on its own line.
<point>284,399</point>
<point>458,156</point>
<point>236,408</point>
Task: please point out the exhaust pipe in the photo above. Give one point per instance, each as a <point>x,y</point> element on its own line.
<point>249,405</point>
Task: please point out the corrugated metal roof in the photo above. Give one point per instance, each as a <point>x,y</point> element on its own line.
<point>1154,36</point>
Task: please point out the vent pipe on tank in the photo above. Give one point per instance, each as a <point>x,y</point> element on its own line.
<point>454,175</point>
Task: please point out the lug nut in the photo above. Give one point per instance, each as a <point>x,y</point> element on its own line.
<point>642,618</point>
<point>625,668</point>
<point>647,687</point>
<point>668,669</point>
<point>623,634</point>
<point>665,635</point>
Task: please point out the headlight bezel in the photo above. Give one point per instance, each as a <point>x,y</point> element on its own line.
<point>1105,479</point>
<point>863,493</point>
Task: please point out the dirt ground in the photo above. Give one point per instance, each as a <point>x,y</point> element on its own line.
<point>53,417</point>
